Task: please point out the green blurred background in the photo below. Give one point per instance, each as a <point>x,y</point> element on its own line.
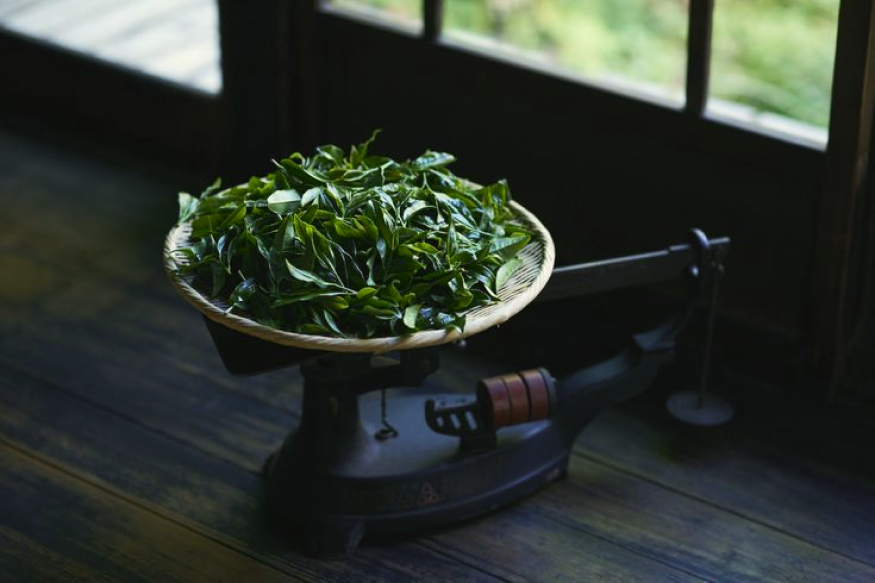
<point>773,56</point>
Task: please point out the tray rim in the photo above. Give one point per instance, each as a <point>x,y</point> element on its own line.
<point>477,320</point>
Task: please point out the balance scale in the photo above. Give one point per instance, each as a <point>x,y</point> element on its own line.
<point>345,471</point>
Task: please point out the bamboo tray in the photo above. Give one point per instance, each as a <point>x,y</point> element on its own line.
<point>525,284</point>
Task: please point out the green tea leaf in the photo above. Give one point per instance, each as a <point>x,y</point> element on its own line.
<point>187,206</point>
<point>365,292</point>
<point>311,196</point>
<point>410,315</point>
<point>344,229</point>
<point>283,202</point>
<point>244,290</point>
<point>332,325</point>
<point>432,160</point>
<point>358,153</point>
<point>353,244</point>
<point>306,295</point>
<point>505,272</point>
<point>306,276</point>
<point>505,244</point>
<point>233,218</point>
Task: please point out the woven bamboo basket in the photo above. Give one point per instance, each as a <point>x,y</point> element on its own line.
<point>525,284</point>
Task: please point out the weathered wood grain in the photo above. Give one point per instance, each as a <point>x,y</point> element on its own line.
<point>103,371</point>
<point>217,499</point>
<point>109,534</point>
<point>139,323</point>
<point>184,406</point>
<point>522,543</point>
<point>777,490</point>
<point>709,561</point>
<point>27,560</point>
<point>792,490</point>
<point>222,498</point>
<point>671,527</point>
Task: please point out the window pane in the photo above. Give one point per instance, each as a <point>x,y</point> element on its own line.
<point>639,45</point>
<point>405,13</point>
<point>173,39</point>
<point>772,63</point>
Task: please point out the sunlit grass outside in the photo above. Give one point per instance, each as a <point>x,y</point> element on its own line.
<point>776,56</point>
<point>595,39</point>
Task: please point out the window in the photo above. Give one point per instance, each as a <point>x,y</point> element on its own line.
<point>770,63</point>
<point>176,40</point>
<point>634,46</point>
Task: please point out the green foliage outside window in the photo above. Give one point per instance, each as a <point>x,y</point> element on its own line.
<point>776,56</point>
<point>771,55</point>
<point>596,38</point>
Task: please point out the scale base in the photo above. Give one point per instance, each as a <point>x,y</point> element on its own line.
<point>363,485</point>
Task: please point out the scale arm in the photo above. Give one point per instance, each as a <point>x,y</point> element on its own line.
<point>528,396</point>
<point>570,281</point>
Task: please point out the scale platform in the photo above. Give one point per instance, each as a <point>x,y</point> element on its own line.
<point>349,470</point>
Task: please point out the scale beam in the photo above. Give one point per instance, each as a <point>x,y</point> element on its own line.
<point>580,279</point>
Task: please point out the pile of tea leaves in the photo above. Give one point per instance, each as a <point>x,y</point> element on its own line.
<point>353,245</point>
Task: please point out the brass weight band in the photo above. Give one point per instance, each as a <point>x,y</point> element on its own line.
<point>519,398</point>
<point>539,394</point>
<point>496,399</point>
<point>515,398</point>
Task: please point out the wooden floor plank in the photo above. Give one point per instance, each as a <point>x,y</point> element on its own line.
<point>707,562</point>
<point>91,318</point>
<point>41,564</point>
<point>186,406</point>
<point>763,485</point>
<point>670,527</point>
<point>56,314</point>
<point>85,525</point>
<point>787,491</point>
<point>524,544</point>
<point>223,498</point>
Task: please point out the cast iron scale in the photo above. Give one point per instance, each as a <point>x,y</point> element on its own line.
<point>345,471</point>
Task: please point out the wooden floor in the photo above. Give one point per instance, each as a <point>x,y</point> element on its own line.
<point>128,453</point>
<point>177,40</point>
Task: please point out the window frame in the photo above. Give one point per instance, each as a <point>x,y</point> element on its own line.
<point>697,79</point>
